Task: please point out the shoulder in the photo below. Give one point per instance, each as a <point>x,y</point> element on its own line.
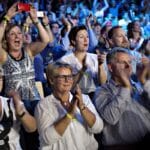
<point>46,103</point>
<point>91,55</point>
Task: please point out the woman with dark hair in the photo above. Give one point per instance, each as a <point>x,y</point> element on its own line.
<point>88,71</point>
<point>145,48</point>
<point>134,34</point>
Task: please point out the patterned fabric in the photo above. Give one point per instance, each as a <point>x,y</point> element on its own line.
<point>9,126</point>
<point>19,75</point>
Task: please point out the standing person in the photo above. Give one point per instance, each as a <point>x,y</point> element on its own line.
<point>66,121</point>
<point>126,119</point>
<point>86,68</point>
<point>18,67</point>
<point>12,114</point>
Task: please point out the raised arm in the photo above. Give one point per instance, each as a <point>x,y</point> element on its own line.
<point>45,21</point>
<point>38,46</point>
<point>12,11</point>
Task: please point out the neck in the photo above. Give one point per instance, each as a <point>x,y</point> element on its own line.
<point>63,97</point>
<point>136,35</point>
<point>80,56</point>
<point>16,54</point>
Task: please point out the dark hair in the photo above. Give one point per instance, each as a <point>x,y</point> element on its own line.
<point>110,55</point>
<point>130,28</point>
<point>112,31</point>
<point>54,22</point>
<point>73,33</point>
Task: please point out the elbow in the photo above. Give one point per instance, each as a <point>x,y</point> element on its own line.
<point>98,126</point>
<point>31,129</point>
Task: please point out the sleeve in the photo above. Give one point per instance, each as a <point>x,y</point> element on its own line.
<point>98,125</point>
<point>92,40</point>
<point>147,89</point>
<point>39,68</point>
<point>45,119</point>
<point>145,99</point>
<point>111,106</point>
<point>65,41</point>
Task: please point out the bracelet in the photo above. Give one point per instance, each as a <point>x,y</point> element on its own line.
<point>26,28</point>
<point>6,18</point>
<point>46,25</point>
<point>70,117</point>
<point>21,115</point>
<point>37,22</point>
<point>5,22</point>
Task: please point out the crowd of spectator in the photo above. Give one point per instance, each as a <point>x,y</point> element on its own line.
<point>92,60</point>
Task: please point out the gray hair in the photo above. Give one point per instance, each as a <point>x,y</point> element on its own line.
<point>110,56</point>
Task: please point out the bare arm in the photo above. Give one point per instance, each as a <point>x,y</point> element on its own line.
<point>45,21</point>
<point>88,116</point>
<point>27,120</point>
<point>102,75</point>
<point>10,13</point>
<point>37,47</point>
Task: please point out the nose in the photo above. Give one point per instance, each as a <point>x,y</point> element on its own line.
<point>128,65</point>
<point>125,38</point>
<point>68,78</point>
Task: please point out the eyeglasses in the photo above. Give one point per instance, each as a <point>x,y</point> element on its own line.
<point>64,77</point>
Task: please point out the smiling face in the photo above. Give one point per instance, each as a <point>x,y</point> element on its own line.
<point>119,39</point>
<point>82,41</point>
<point>62,80</point>
<point>14,38</point>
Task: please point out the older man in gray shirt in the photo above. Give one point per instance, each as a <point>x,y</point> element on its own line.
<point>127,120</point>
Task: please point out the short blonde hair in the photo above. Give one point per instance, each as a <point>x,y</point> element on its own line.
<point>52,69</point>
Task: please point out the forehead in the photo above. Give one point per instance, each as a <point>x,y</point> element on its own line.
<point>118,31</point>
<point>62,70</point>
<point>15,28</point>
<point>122,56</point>
<point>81,32</point>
